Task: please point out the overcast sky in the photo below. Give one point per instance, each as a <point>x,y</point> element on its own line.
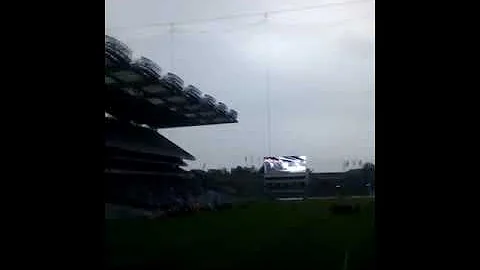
<point>320,61</point>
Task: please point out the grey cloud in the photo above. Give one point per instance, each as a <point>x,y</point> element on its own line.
<point>321,94</point>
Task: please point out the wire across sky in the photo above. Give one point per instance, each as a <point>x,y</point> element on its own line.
<point>244,15</point>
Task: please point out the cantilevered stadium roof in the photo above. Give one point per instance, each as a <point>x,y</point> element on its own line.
<point>138,91</point>
<point>131,138</point>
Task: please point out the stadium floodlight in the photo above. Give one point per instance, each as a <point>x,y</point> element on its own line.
<point>211,101</point>
<point>193,94</point>
<point>148,68</point>
<point>173,83</point>
<point>221,107</point>
<point>233,114</point>
<point>142,80</point>
<point>116,52</point>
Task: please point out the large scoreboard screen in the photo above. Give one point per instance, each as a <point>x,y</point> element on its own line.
<point>285,165</point>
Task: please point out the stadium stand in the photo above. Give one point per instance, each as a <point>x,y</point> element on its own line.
<point>289,185</point>
<point>325,184</point>
<point>329,184</point>
<point>139,93</point>
<point>143,169</point>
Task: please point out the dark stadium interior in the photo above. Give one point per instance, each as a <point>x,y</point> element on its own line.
<point>160,213</point>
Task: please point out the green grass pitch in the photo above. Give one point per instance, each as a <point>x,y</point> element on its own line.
<point>273,235</point>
